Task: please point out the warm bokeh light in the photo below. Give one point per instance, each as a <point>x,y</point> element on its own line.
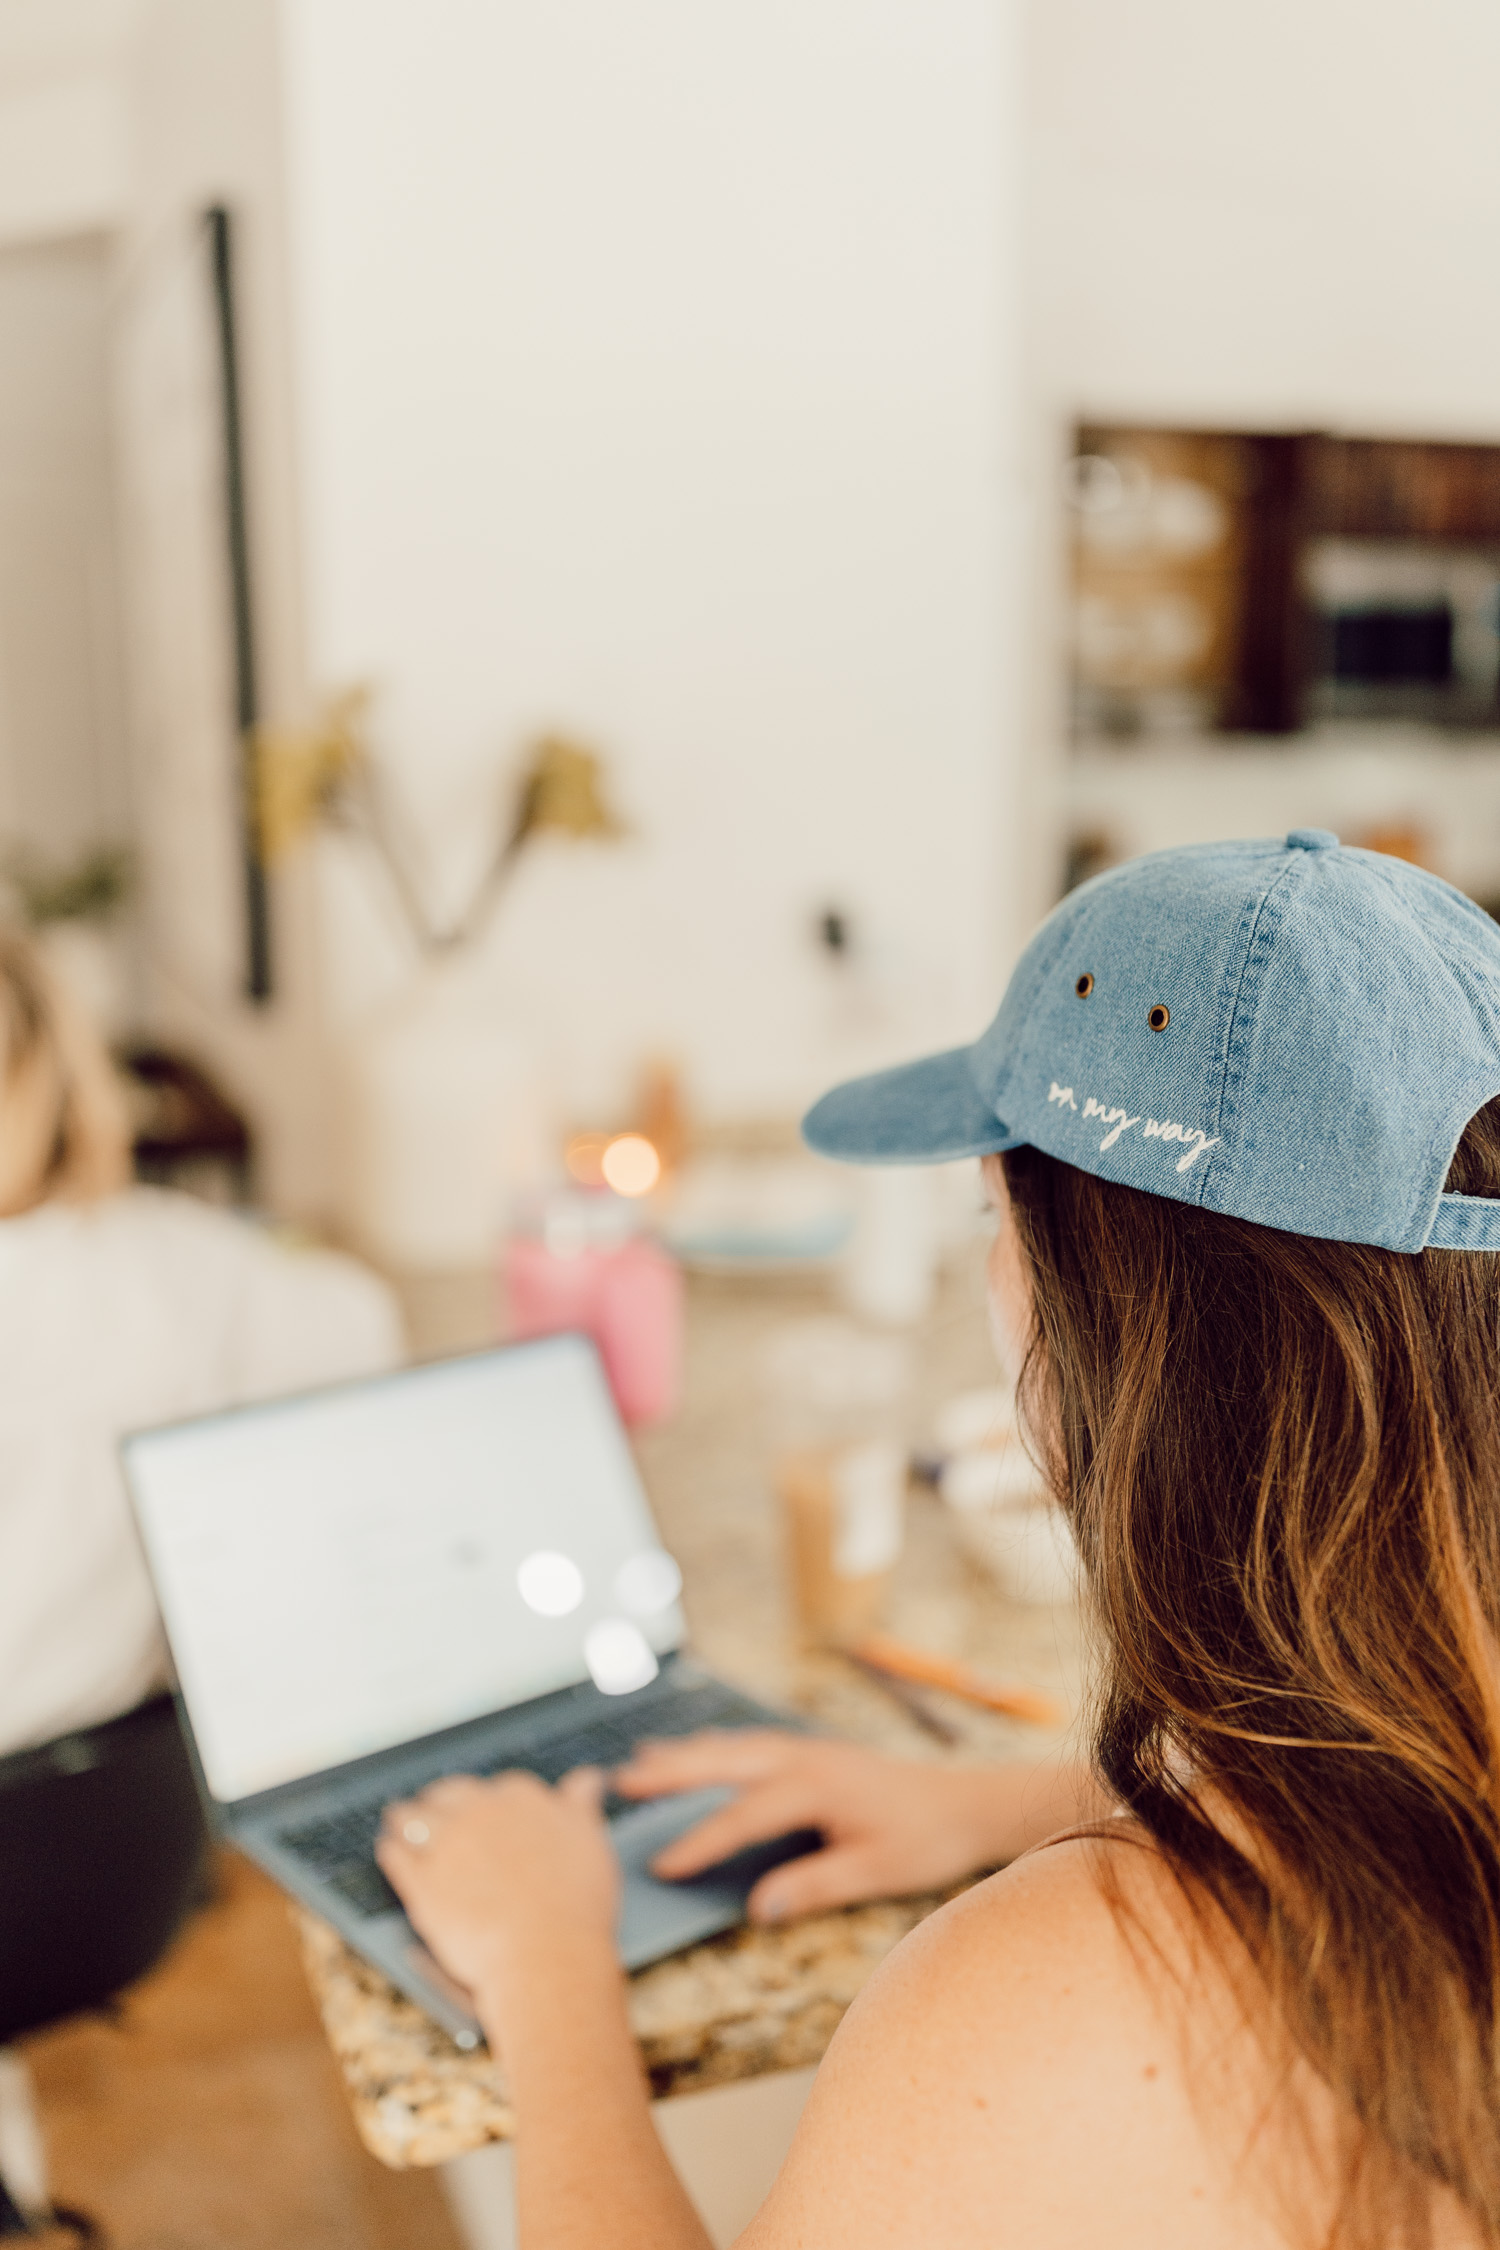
<point>631,1165</point>
<point>584,1158</point>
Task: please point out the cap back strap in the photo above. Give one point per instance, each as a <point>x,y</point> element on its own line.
<point>1465,1222</point>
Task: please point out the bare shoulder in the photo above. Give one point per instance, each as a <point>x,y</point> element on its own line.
<point>1018,2071</point>
<point>1048,1942</point>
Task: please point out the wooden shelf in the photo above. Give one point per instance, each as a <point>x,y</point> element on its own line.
<point>1193,568</point>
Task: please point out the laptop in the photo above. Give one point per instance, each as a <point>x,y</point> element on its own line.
<point>451,1569</point>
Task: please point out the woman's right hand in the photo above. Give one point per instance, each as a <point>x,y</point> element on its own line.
<point>891,1826</point>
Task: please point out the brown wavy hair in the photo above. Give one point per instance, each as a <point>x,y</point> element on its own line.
<point>1281,1458</point>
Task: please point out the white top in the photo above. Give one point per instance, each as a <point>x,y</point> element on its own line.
<point>115,1315</point>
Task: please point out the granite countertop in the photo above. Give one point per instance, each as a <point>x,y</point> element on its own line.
<point>750,2001</point>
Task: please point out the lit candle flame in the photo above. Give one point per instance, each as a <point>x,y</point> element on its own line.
<point>630,1165</point>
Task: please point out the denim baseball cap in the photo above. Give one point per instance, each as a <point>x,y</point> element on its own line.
<point>1292,1032</point>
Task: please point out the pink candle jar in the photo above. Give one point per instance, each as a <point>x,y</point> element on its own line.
<point>582,1270</point>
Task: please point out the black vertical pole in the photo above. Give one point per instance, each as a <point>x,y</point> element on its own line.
<point>247,710</point>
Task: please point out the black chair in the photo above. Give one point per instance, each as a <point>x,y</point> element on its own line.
<point>102,1852</point>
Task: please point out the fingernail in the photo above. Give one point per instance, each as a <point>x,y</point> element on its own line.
<point>772,1909</point>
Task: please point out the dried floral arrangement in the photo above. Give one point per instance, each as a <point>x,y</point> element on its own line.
<point>326,774</point>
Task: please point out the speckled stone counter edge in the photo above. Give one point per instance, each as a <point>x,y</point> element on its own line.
<point>746,2003</point>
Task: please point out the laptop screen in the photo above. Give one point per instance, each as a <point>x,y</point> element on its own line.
<point>355,1568</point>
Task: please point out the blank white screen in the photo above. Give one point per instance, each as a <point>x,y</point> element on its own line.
<point>337,1573</point>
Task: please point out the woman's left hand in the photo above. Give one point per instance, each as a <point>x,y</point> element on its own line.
<point>495,1873</point>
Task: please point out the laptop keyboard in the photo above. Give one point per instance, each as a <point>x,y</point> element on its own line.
<point>340,1846</point>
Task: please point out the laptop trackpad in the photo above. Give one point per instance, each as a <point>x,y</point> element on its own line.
<point>657,1918</point>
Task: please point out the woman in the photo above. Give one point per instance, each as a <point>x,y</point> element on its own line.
<point>1237,1117</point>
<point>119,1307</point>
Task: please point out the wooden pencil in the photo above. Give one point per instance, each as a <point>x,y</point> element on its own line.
<point>925,1668</point>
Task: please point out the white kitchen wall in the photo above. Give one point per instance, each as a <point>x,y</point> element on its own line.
<point>64,166</point>
<point>1279,217</point>
<point>65,130</point>
<point>656,383</point>
<point>63,768</point>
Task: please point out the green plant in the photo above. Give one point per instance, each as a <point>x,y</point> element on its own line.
<point>90,889</point>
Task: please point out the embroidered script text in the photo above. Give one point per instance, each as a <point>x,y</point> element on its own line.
<point>1118,1121</point>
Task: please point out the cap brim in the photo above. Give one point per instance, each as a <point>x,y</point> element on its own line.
<point>928,1112</point>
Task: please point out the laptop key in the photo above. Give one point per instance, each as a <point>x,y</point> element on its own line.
<point>361,1885</point>
<point>336,1839</point>
<point>340,1846</point>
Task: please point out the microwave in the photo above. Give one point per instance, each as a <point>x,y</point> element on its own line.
<point>1403,630</point>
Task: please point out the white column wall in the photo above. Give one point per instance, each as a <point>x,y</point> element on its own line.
<point>655,376</point>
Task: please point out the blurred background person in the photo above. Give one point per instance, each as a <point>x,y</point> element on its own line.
<point>119,1305</point>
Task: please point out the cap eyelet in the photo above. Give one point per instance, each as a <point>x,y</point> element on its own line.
<point>1159,1017</point>
<point>1084,986</point>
